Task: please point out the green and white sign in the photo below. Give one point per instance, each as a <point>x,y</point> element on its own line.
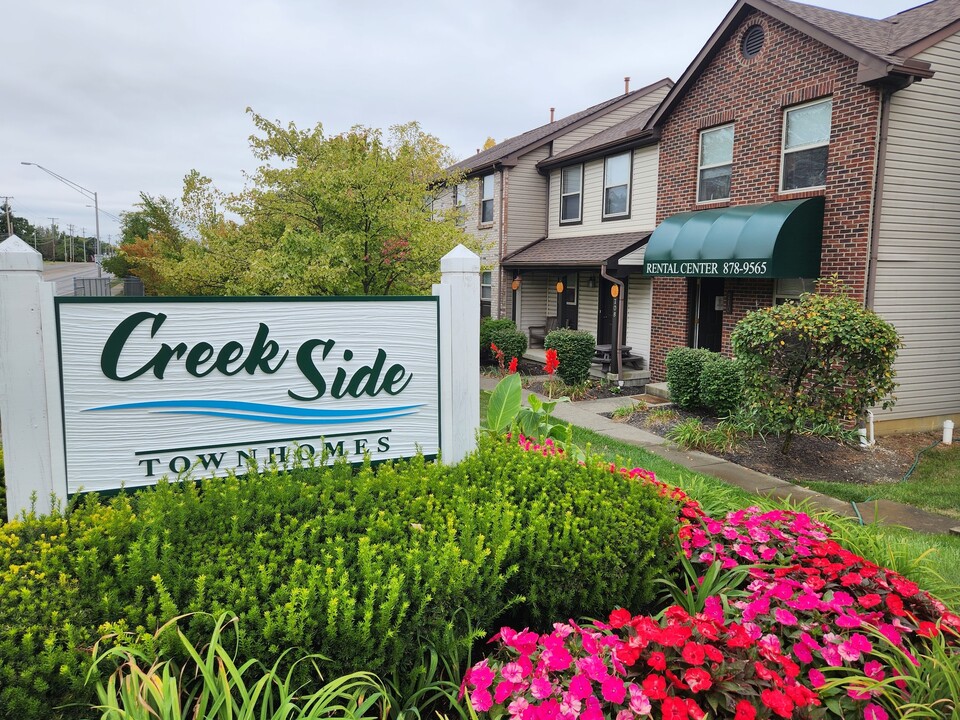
<point>152,388</point>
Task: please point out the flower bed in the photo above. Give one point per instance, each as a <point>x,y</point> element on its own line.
<point>801,638</point>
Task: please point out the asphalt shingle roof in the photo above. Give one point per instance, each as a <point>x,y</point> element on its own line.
<point>621,132</point>
<point>583,251</point>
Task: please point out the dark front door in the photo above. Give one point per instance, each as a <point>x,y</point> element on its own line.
<point>567,302</point>
<point>606,321</point>
<point>706,313</point>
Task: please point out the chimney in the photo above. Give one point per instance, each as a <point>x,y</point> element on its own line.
<point>626,85</point>
<point>551,114</point>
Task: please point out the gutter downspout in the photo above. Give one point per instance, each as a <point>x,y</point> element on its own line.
<point>500,227</point>
<point>618,327</point>
<point>876,206</point>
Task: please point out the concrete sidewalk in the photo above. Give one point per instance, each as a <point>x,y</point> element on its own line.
<point>589,414</point>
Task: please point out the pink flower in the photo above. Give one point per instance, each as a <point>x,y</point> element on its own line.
<point>817,678</point>
<point>481,700</point>
<point>613,690</point>
<point>624,715</point>
<point>504,689</point>
<point>639,703</point>
<point>518,708</point>
<point>874,712</point>
<point>580,687</point>
<point>785,617</point>
<point>480,675</point>
<point>541,688</point>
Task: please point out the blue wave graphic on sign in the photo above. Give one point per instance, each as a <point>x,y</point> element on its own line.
<point>260,412</point>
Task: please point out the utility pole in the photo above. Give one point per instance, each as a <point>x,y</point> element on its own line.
<point>6,204</point>
<point>53,229</point>
<point>65,258</point>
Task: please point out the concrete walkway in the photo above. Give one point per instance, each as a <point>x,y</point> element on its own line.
<point>589,414</point>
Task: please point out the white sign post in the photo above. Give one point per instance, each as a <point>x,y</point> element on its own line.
<point>194,387</point>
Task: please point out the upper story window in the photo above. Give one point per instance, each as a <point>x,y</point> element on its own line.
<point>571,193</point>
<point>486,199</point>
<point>806,139</point>
<point>716,163</point>
<point>460,202</point>
<point>616,186</point>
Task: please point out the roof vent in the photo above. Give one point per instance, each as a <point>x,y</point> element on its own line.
<point>752,42</point>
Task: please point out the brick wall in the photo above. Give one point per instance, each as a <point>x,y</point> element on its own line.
<point>792,68</point>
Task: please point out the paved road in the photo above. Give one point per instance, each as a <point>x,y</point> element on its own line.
<point>63,273</point>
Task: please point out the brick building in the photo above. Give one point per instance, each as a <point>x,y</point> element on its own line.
<point>803,142</point>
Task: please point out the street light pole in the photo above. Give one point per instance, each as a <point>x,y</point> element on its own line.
<point>87,194</point>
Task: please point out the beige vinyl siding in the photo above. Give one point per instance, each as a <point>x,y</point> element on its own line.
<point>643,198</point>
<point>918,258</point>
<point>609,120</point>
<point>533,302</point>
<point>526,202</point>
<point>639,314</point>
<point>588,300</point>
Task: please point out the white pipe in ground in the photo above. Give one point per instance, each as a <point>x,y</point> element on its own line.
<point>948,432</point>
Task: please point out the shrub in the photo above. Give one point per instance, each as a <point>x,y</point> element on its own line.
<point>684,367</point>
<point>513,343</point>
<point>488,326</point>
<point>575,350</point>
<point>363,566</point>
<point>721,385</point>
<point>821,361</point>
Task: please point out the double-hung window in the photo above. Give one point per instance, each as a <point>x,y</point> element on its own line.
<point>806,139</point>
<point>571,193</point>
<point>486,293</point>
<point>486,199</point>
<point>616,186</point>
<point>716,164</point>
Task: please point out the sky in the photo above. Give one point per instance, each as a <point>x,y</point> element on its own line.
<point>127,97</point>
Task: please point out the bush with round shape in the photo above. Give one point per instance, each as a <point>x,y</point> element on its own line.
<point>488,326</point>
<point>684,367</point>
<point>512,343</point>
<point>575,351</point>
<point>721,386</point>
<point>821,361</point>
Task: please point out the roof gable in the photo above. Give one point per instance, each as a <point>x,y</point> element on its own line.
<point>509,150</point>
<point>872,43</point>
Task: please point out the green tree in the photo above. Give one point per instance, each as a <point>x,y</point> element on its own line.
<point>817,363</point>
<point>345,214</point>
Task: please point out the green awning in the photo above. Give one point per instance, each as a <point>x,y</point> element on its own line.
<point>773,240</point>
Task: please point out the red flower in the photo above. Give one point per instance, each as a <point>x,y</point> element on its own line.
<point>513,366</point>
<point>868,601</point>
<point>553,362</point>
<point>745,711</point>
<point>895,604</point>
<point>927,629</point>
<point>693,654</point>
<point>619,618</point>
<point>777,701</point>
<point>698,679</point>
<point>903,586</point>
<point>674,709</point>
<point>657,661</point>
<point>655,687</point>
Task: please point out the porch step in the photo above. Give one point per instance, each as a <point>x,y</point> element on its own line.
<point>658,389</point>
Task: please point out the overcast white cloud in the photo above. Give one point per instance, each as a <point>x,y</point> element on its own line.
<point>124,97</point>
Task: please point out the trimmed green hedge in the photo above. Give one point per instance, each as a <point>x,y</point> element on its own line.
<point>489,326</point>
<point>575,351</point>
<point>361,566</point>
<point>721,385</point>
<point>512,343</point>
<point>684,367</point>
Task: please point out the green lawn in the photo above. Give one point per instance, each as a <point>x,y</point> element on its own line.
<point>931,560</point>
<point>933,485</point>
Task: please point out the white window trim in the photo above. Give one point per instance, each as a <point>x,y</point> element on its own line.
<point>493,192</point>
<point>780,296</point>
<point>603,198</point>
<point>579,192</point>
<point>811,146</point>
<point>486,275</point>
<point>701,167</point>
